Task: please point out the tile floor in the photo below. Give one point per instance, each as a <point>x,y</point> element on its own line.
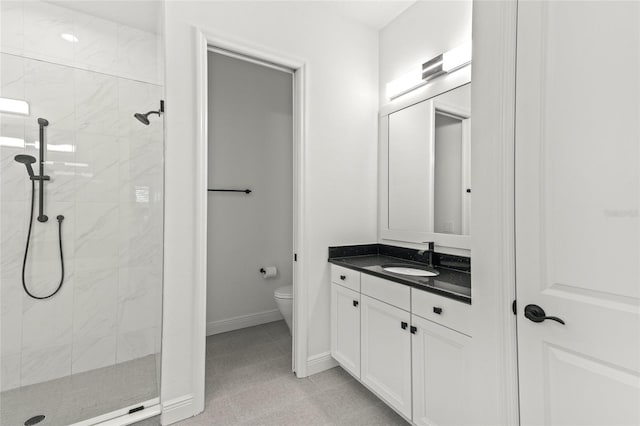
<point>70,399</point>
<point>249,382</point>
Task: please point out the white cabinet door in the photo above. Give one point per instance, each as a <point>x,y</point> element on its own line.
<point>345,328</point>
<point>441,359</point>
<point>386,353</point>
<point>577,201</point>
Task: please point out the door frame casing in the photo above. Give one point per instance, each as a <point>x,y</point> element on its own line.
<point>204,40</point>
<point>494,344</point>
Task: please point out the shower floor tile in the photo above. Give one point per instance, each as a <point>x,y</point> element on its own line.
<point>81,396</point>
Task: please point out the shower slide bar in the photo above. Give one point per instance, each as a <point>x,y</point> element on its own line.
<point>246,191</point>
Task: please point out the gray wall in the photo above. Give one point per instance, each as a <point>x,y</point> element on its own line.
<point>250,146</point>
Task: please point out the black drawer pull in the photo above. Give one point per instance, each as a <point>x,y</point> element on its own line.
<point>404,325</point>
<point>355,303</point>
<point>437,310</point>
<point>413,329</point>
<point>343,277</point>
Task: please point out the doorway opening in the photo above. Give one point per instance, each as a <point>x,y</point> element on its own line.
<point>251,220</point>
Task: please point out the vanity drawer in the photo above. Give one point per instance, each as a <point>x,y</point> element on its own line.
<point>387,291</point>
<point>444,311</point>
<point>345,277</point>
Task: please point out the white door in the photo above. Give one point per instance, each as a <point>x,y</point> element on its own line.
<point>386,353</point>
<point>345,328</point>
<point>441,360</point>
<point>577,191</point>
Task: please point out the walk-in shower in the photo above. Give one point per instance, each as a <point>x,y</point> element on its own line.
<point>80,296</point>
<point>28,160</point>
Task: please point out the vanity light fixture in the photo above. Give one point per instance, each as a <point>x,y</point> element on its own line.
<point>444,63</point>
<point>406,83</point>
<point>457,58</point>
<point>14,106</point>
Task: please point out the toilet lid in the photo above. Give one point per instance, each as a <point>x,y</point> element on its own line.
<point>285,292</point>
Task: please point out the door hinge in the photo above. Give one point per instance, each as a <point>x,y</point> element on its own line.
<point>514,307</point>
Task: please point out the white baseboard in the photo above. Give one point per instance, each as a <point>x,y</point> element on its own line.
<point>320,362</point>
<point>242,321</point>
<point>177,409</point>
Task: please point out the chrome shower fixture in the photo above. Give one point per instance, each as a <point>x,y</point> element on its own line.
<point>144,118</point>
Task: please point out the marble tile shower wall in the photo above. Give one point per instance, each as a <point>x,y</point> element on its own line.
<point>106,179</point>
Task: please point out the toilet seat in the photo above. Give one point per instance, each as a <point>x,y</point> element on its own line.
<point>285,292</point>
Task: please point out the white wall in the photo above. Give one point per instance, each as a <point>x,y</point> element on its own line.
<point>421,32</point>
<point>340,158</point>
<point>250,146</point>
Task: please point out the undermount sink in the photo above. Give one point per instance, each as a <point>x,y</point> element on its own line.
<point>410,270</point>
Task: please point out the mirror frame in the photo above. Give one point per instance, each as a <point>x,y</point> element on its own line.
<point>445,243</point>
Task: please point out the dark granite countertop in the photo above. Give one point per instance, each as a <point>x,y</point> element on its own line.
<point>451,283</point>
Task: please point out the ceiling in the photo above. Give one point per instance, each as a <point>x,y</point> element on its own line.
<point>145,14</point>
<point>373,14</point>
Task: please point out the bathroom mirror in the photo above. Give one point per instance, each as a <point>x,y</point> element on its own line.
<point>425,187</point>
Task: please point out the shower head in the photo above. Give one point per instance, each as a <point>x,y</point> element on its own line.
<point>144,118</point>
<point>27,160</point>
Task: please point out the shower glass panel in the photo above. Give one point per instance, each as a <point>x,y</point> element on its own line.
<point>90,351</point>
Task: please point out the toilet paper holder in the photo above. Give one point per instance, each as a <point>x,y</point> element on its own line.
<point>268,272</point>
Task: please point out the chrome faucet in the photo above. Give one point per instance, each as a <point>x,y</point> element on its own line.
<point>429,252</point>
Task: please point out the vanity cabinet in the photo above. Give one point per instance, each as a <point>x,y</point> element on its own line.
<point>345,328</point>
<point>410,347</point>
<point>441,360</point>
<point>386,352</point>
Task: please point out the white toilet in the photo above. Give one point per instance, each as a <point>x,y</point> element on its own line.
<point>284,299</point>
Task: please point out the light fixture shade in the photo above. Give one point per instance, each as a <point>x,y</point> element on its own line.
<point>457,58</point>
<point>14,106</point>
<point>405,83</point>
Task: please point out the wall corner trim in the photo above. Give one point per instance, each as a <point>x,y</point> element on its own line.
<point>319,363</point>
<point>177,409</point>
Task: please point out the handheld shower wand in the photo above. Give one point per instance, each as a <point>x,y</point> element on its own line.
<point>28,160</point>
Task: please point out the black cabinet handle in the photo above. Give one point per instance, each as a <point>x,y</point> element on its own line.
<point>404,325</point>
<point>536,314</point>
<point>355,303</point>
<point>437,310</point>
<point>413,329</point>
<point>343,277</point>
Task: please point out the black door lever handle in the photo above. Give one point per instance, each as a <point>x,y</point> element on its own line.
<point>536,314</point>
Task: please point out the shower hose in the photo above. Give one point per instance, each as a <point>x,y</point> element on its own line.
<point>26,250</point>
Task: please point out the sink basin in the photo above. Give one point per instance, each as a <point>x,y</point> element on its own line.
<point>410,270</point>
